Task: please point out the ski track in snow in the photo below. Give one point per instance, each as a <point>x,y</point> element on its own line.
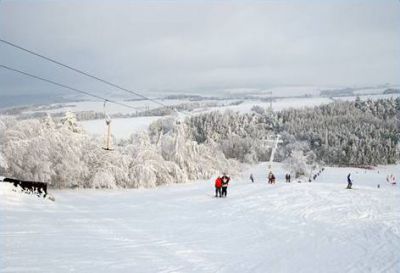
<point>296,227</point>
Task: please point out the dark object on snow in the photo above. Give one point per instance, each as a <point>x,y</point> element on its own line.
<point>40,188</point>
<point>252,178</point>
<point>349,182</point>
<point>287,177</point>
<point>225,182</point>
<point>271,178</point>
<point>379,185</point>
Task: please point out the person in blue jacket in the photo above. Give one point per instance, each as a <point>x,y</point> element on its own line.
<point>349,182</point>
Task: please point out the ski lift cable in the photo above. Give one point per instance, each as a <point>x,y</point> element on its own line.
<point>82,72</point>
<point>66,86</point>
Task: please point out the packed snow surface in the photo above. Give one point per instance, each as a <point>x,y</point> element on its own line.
<point>296,227</point>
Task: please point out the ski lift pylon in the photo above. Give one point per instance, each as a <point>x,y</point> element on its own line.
<point>107,118</point>
<point>274,148</point>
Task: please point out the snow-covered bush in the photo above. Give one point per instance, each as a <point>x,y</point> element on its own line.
<point>240,136</point>
<point>62,154</point>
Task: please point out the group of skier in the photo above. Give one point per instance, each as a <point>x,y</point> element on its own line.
<point>391,179</point>
<point>221,185</point>
<point>222,182</point>
<point>272,179</point>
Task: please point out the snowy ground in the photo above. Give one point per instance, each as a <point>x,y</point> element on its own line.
<point>308,227</point>
<point>121,127</point>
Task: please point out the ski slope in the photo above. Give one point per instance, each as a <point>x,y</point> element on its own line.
<point>296,227</point>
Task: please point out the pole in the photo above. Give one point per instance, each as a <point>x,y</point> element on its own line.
<point>108,135</point>
<point>271,159</point>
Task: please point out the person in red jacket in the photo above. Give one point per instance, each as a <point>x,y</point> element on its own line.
<point>218,187</point>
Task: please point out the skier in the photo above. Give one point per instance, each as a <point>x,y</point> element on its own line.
<point>349,182</point>
<point>287,177</point>
<point>271,178</point>
<point>391,179</point>
<point>225,181</point>
<point>218,186</point>
<point>251,178</point>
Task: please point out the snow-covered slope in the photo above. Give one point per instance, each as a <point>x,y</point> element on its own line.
<point>308,227</point>
<point>121,127</point>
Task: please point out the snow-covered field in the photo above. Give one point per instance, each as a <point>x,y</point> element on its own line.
<point>307,227</point>
<point>277,105</point>
<point>139,105</point>
<point>121,127</point>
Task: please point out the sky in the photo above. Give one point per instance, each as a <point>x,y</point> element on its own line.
<point>200,46</point>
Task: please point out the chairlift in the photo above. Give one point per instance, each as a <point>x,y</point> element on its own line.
<point>108,141</point>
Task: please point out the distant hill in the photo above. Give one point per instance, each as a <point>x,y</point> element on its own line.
<point>337,92</point>
<point>391,91</point>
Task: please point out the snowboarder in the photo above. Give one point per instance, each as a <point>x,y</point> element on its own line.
<point>225,181</point>
<point>349,182</point>
<point>251,178</point>
<point>218,187</point>
<point>287,177</point>
<point>271,178</point>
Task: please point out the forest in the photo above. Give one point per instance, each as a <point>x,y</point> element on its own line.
<point>59,151</point>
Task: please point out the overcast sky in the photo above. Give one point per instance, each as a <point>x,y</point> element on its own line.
<point>202,45</point>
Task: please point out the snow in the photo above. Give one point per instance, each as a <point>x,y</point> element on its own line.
<point>98,106</point>
<point>124,127</point>
<point>121,127</point>
<point>277,105</point>
<point>368,97</point>
<point>296,227</point>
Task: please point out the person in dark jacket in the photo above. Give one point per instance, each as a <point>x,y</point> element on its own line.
<point>218,187</point>
<point>349,182</point>
<point>225,182</point>
<point>287,177</point>
<point>251,178</point>
<point>271,178</point>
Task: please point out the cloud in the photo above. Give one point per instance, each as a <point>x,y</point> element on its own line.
<point>204,45</point>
